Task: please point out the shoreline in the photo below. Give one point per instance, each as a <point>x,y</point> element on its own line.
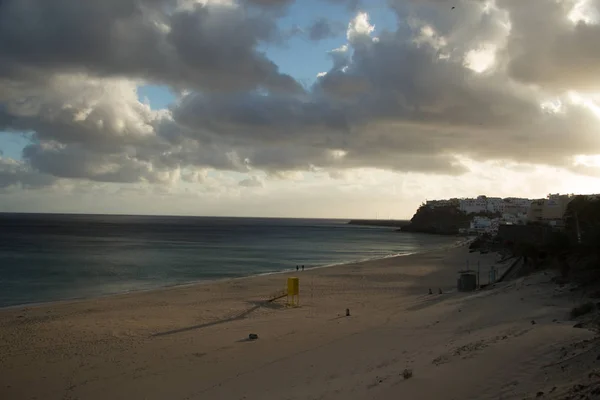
<point>458,243</point>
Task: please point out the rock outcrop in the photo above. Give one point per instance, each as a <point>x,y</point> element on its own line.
<point>439,220</point>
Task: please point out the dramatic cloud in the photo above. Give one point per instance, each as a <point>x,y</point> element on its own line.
<point>497,81</point>
<point>323,28</point>
<point>552,50</point>
<point>208,46</point>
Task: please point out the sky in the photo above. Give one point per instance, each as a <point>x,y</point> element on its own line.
<point>294,108</point>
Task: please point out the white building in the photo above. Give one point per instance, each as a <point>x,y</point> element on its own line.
<point>472,206</point>
<point>516,206</point>
<point>552,208</point>
<point>495,204</point>
<point>518,202</point>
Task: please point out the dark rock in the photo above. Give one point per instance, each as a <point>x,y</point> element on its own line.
<point>407,373</point>
<point>539,394</point>
<point>253,336</point>
<point>347,312</point>
<point>440,220</point>
<point>533,322</point>
<point>578,387</point>
<point>579,325</point>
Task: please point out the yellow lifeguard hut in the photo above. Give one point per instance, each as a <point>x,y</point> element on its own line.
<point>293,292</point>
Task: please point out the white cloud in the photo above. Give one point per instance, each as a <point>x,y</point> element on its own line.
<point>359,27</point>
<point>481,59</point>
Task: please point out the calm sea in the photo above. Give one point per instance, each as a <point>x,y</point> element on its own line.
<point>46,257</point>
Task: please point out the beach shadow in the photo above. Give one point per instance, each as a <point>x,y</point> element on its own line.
<point>246,340</point>
<point>236,317</point>
<point>339,317</point>
<point>270,304</point>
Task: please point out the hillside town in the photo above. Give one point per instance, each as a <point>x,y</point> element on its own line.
<point>489,213</point>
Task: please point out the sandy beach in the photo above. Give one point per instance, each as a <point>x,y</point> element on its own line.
<point>510,341</point>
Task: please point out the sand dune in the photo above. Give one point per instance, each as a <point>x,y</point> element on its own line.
<point>190,342</point>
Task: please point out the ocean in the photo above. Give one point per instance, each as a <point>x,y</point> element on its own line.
<point>50,257</point>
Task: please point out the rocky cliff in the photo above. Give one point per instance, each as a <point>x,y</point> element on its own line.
<point>439,220</point>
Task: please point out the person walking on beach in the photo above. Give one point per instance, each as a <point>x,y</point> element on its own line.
<point>303,268</point>
<point>296,268</point>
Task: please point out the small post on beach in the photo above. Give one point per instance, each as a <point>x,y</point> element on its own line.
<point>312,295</point>
<point>478,275</point>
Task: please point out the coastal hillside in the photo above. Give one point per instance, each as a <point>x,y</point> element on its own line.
<point>444,220</point>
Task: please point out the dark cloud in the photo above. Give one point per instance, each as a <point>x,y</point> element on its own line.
<point>323,28</point>
<point>548,49</point>
<point>210,47</point>
<point>401,103</point>
<point>78,163</point>
<point>15,173</point>
<point>352,5</point>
